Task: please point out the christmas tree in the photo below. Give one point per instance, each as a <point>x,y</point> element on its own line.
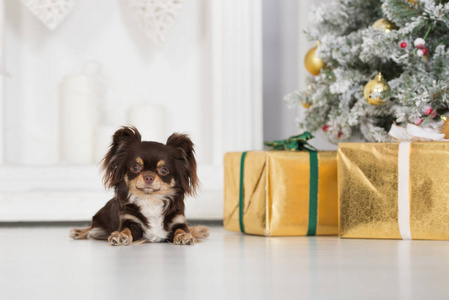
<point>377,63</point>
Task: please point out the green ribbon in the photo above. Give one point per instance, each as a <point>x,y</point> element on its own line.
<point>294,143</point>
<point>313,193</point>
<point>241,193</point>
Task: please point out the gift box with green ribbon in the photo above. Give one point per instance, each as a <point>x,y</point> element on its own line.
<point>290,190</point>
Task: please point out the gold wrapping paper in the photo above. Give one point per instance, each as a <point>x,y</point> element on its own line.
<point>276,200</point>
<point>368,190</point>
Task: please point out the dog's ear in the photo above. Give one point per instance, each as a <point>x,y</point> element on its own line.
<point>185,161</point>
<point>114,163</point>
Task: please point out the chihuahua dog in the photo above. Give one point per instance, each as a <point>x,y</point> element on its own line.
<point>150,181</point>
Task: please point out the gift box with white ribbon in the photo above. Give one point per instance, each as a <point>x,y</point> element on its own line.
<point>394,190</point>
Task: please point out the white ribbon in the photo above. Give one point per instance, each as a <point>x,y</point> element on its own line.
<point>414,133</point>
<point>404,190</point>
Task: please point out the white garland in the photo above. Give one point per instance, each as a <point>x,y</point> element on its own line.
<point>50,12</point>
<point>155,17</point>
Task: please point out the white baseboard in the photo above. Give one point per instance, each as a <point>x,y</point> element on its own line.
<point>75,193</point>
<point>81,206</point>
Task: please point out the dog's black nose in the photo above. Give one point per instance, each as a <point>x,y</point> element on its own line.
<point>148,179</point>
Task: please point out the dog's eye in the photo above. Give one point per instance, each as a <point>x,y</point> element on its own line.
<point>163,171</point>
<point>135,169</point>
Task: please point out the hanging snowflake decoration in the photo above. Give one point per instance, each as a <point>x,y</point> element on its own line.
<point>50,12</point>
<point>155,17</point>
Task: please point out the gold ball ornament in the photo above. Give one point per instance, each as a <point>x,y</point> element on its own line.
<point>413,1</point>
<point>384,25</point>
<point>445,127</point>
<point>374,88</point>
<point>313,63</point>
<point>306,105</point>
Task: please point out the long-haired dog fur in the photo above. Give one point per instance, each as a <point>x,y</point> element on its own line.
<point>150,181</point>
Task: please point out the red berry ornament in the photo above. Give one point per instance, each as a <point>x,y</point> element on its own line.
<point>325,127</point>
<point>427,110</point>
<point>433,114</point>
<point>418,121</point>
<point>424,51</point>
<point>404,45</point>
<point>419,43</point>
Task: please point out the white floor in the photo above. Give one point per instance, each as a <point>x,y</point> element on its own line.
<point>43,263</point>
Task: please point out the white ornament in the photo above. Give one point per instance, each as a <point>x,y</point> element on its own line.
<point>419,42</point>
<point>50,12</point>
<point>155,17</point>
<point>420,53</point>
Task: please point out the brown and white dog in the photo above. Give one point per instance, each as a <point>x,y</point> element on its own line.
<point>150,180</point>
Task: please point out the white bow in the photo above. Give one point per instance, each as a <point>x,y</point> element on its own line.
<point>428,133</point>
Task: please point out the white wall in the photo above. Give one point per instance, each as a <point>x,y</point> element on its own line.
<point>175,77</point>
<point>280,56</point>
<point>284,48</point>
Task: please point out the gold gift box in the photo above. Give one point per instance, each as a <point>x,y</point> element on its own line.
<point>368,190</point>
<point>276,198</point>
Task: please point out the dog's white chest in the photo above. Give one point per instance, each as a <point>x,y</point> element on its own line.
<point>152,208</point>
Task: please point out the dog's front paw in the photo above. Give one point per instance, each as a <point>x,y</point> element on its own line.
<point>120,238</point>
<point>184,238</point>
<point>75,234</point>
<point>80,234</point>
